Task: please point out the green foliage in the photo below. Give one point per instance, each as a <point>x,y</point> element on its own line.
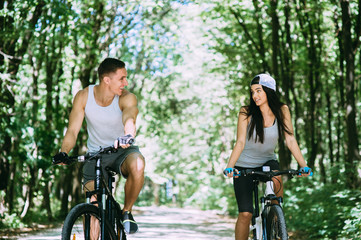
<point>189,64</point>
<point>352,227</point>
<point>322,211</point>
<point>214,193</point>
<point>11,221</point>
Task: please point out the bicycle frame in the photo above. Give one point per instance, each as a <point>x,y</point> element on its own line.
<point>259,221</point>
<point>102,191</point>
<point>260,224</point>
<point>104,213</point>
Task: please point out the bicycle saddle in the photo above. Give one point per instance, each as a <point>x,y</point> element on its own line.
<point>110,171</point>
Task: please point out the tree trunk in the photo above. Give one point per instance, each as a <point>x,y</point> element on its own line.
<point>4,163</point>
<point>308,27</point>
<point>352,134</point>
<point>288,76</point>
<point>65,186</point>
<point>341,96</point>
<point>284,154</point>
<point>46,198</point>
<point>322,169</point>
<point>10,194</point>
<point>262,51</point>
<point>30,192</point>
<point>329,127</point>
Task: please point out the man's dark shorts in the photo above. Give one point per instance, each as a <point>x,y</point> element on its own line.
<point>112,160</point>
<point>243,187</point>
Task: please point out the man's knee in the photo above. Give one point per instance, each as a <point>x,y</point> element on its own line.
<point>134,164</point>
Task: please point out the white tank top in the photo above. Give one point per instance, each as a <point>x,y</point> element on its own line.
<point>104,124</point>
<point>256,154</point>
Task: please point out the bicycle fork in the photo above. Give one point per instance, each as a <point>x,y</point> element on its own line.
<point>256,226</point>
<point>259,220</point>
<point>101,202</point>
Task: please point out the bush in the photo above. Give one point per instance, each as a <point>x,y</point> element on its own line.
<point>10,221</point>
<point>322,211</point>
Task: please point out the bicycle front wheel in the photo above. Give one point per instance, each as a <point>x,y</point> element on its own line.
<point>276,224</point>
<point>83,223</point>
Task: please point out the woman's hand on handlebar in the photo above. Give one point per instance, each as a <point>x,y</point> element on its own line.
<point>124,141</point>
<point>228,172</point>
<point>305,172</point>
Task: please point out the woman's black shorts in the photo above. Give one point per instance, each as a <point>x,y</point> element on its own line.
<point>243,187</point>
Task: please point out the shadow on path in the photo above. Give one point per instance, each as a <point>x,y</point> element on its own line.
<point>162,223</point>
<point>176,223</point>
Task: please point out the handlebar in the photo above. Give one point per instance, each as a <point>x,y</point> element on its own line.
<point>269,174</point>
<point>89,156</point>
<point>63,157</point>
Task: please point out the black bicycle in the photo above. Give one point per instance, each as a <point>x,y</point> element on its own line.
<point>271,223</point>
<point>99,219</point>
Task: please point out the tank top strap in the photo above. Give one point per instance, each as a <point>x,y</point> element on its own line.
<point>91,98</point>
<point>115,102</point>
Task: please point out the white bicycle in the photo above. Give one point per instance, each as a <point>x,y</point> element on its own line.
<point>270,224</point>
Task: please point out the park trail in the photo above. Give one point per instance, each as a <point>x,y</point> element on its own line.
<point>163,223</point>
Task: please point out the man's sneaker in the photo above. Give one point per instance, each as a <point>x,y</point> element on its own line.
<point>130,226</point>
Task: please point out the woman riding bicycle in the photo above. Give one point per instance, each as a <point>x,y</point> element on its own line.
<point>260,124</point>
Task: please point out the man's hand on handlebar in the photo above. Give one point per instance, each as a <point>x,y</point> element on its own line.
<point>124,141</point>
<point>61,158</point>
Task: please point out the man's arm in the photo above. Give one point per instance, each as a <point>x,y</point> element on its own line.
<point>75,121</point>
<point>128,104</point>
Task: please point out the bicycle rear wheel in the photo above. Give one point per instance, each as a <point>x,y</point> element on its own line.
<point>83,223</point>
<point>276,224</point>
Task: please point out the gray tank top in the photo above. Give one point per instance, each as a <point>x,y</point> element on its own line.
<point>104,124</point>
<point>255,154</point>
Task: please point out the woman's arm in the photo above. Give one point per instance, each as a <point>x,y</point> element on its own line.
<point>290,139</point>
<point>241,138</point>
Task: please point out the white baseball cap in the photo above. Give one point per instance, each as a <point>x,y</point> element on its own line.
<point>266,80</point>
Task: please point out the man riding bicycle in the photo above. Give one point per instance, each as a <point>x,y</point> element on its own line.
<point>110,112</point>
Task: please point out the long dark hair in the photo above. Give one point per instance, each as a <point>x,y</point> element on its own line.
<point>253,111</point>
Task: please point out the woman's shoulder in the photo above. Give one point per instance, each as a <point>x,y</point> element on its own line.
<point>285,107</point>
<point>244,114</point>
<point>244,110</point>
<point>285,110</point>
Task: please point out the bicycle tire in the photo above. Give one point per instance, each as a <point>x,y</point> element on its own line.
<point>73,228</point>
<point>276,224</point>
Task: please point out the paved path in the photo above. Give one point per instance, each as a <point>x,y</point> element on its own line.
<point>164,224</point>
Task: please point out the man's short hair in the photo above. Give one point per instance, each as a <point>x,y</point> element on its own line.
<point>109,65</point>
